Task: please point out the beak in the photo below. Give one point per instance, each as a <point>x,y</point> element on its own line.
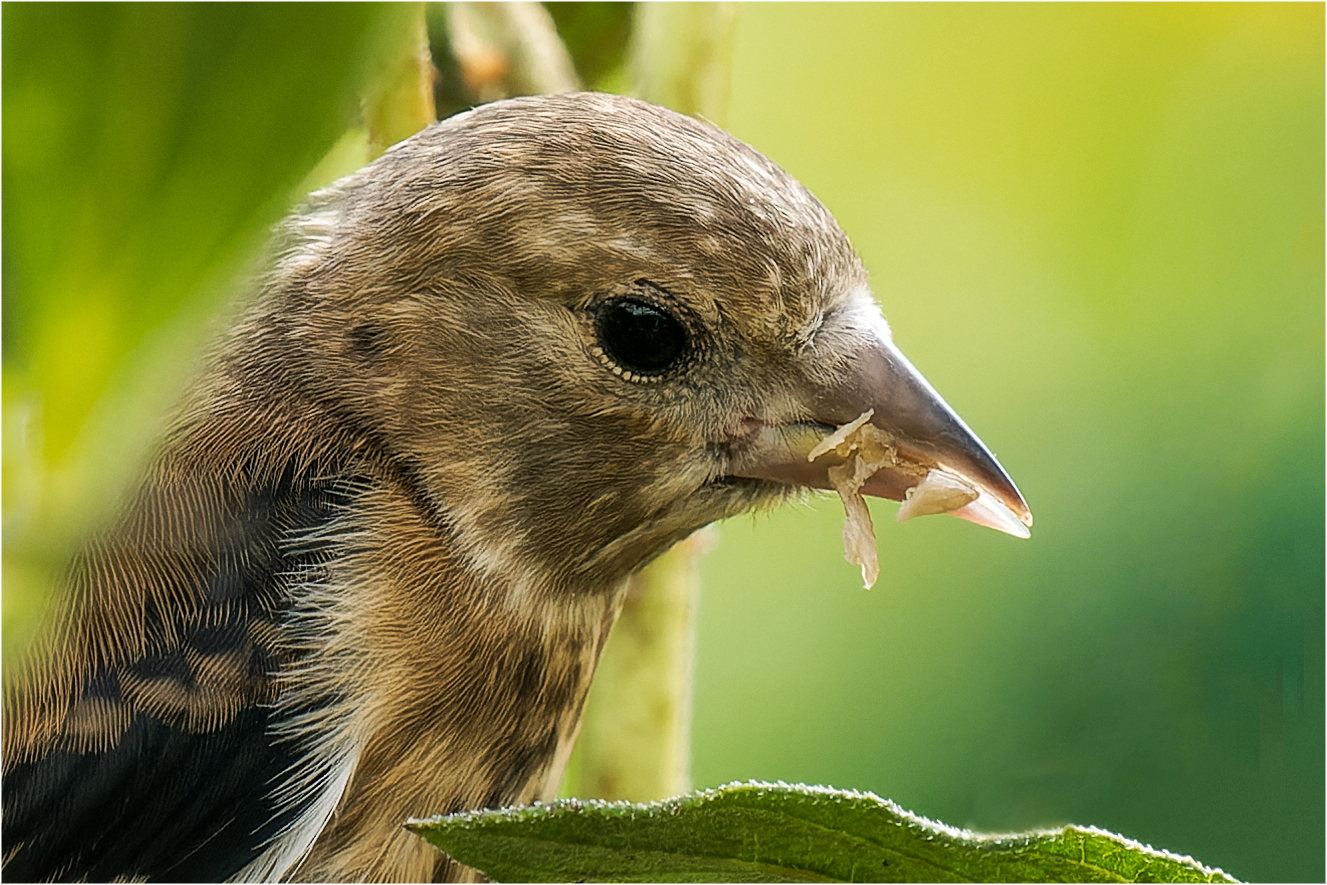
<point>926,433</point>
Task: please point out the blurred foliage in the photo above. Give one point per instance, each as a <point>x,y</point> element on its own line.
<point>596,35</point>
<point>1097,228</point>
<point>681,57</point>
<point>147,150</point>
<point>486,51</point>
<point>780,833</point>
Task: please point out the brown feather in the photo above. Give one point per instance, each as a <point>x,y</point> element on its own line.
<point>422,360</point>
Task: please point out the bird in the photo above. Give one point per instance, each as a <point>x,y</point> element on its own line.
<point>370,567</point>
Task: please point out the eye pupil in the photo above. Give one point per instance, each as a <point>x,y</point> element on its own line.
<point>640,337</point>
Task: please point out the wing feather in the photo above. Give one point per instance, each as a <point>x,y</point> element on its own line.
<point>145,741</point>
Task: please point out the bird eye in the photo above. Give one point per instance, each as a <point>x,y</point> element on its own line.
<point>640,337</point>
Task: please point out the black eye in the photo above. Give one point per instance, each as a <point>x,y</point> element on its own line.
<point>639,337</point>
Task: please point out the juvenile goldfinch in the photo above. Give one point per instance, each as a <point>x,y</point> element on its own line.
<point>369,573</point>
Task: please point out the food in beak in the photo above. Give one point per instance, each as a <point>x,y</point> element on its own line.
<point>940,492</point>
<point>866,449</point>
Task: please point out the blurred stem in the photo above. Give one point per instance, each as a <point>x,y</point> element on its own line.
<point>505,49</point>
<point>401,100</point>
<point>635,740</point>
<point>681,56</point>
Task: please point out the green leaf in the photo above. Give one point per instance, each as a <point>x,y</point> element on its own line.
<point>778,833</point>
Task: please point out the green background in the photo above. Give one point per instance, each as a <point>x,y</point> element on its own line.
<point>1097,229</point>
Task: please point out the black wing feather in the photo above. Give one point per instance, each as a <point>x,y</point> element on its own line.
<point>170,799</point>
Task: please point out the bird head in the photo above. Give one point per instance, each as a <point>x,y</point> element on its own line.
<point>583,326</point>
